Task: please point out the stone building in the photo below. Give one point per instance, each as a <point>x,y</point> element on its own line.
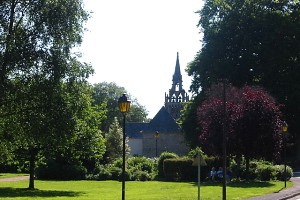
<point>162,133</point>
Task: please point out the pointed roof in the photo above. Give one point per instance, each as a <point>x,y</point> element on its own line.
<point>164,122</point>
<point>177,74</point>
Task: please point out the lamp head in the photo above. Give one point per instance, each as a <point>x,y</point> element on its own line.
<point>284,127</point>
<point>124,104</point>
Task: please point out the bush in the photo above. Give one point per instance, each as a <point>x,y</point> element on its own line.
<point>137,168</point>
<point>180,169</point>
<point>141,176</point>
<point>162,157</point>
<point>57,171</point>
<point>104,173</point>
<point>265,172</point>
<point>279,172</point>
<point>142,163</point>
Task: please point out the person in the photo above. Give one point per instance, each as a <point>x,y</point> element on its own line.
<point>228,175</point>
<point>213,174</point>
<point>220,173</point>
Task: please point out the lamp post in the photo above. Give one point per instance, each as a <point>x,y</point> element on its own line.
<point>156,137</point>
<point>284,131</point>
<point>224,141</point>
<point>124,105</point>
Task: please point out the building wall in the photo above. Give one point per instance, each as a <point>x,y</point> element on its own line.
<point>171,142</point>
<point>136,146</point>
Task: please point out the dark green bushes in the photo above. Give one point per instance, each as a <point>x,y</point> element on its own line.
<point>162,157</point>
<point>138,168</point>
<point>58,171</point>
<point>261,170</point>
<point>180,169</point>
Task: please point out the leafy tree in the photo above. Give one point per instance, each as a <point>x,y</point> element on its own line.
<point>114,141</point>
<point>42,84</point>
<point>252,116</point>
<point>257,35</point>
<point>109,93</point>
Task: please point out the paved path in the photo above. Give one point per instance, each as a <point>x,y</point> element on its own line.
<point>17,178</point>
<point>284,194</point>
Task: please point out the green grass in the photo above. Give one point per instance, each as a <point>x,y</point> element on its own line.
<point>152,190</point>
<point>9,175</point>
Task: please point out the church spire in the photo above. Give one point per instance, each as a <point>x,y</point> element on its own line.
<point>177,74</point>
<point>177,95</point>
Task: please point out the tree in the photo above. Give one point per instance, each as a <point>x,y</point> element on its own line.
<point>114,141</point>
<point>252,116</point>
<point>257,35</point>
<point>42,84</point>
<point>109,93</point>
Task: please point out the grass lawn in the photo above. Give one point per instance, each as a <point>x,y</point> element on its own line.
<point>9,175</point>
<point>152,190</point>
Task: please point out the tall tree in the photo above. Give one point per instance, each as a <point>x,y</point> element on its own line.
<point>42,84</point>
<point>252,116</point>
<point>257,35</point>
<point>114,141</point>
<point>109,93</point>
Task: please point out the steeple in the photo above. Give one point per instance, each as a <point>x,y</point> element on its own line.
<point>177,78</point>
<point>177,95</point>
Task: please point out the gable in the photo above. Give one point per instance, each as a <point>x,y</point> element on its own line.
<point>164,122</point>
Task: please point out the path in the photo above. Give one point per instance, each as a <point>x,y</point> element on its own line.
<point>17,178</point>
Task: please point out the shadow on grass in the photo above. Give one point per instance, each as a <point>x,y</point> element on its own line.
<point>23,192</point>
<point>240,184</point>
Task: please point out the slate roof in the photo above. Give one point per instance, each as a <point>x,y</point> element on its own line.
<point>135,129</point>
<point>162,122</point>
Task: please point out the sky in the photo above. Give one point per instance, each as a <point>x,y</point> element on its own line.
<point>134,44</point>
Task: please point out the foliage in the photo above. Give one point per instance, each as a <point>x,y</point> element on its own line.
<point>188,121</point>
<point>114,141</point>
<point>260,170</point>
<point>44,94</point>
<point>109,93</point>
<point>254,42</point>
<point>251,115</point>
<point>60,171</point>
<point>160,162</point>
<point>279,172</point>
<point>193,153</point>
<point>138,168</point>
<point>180,169</point>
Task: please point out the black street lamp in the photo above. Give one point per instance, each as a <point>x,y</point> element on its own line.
<point>156,137</point>
<point>224,141</point>
<point>124,105</point>
<point>284,131</point>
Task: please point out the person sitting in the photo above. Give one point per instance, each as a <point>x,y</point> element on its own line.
<point>220,173</point>
<point>213,174</point>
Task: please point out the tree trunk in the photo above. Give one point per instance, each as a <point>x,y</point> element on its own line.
<point>32,168</point>
<point>247,167</point>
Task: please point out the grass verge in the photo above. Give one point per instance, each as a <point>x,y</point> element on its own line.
<point>152,190</point>
<point>10,175</point>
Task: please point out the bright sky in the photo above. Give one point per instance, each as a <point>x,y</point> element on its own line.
<point>134,44</point>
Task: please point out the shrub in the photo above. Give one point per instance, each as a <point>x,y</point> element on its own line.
<point>180,169</point>
<point>142,163</point>
<point>265,172</point>
<point>104,173</point>
<point>137,168</point>
<point>160,165</point>
<point>142,176</point>
<point>58,171</point>
<point>279,172</point>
